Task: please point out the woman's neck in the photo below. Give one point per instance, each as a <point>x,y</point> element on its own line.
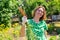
<point>36,19</point>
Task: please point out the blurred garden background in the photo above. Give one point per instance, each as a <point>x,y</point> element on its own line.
<point>10,17</point>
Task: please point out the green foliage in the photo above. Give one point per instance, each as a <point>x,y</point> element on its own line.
<point>59,37</point>
<point>2,26</point>
<point>52,6</point>
<point>58,30</point>
<point>10,7</point>
<point>10,33</point>
<point>51,28</point>
<point>29,6</point>
<point>5,36</point>
<point>52,38</point>
<point>7,9</point>
<point>30,33</point>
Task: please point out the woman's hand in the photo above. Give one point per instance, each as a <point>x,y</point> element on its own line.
<point>24,20</point>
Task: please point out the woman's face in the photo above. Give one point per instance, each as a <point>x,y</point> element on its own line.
<point>39,12</point>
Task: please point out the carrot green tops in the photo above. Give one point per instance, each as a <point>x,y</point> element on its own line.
<point>35,31</point>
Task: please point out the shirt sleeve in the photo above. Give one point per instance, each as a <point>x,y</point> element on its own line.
<point>45,26</point>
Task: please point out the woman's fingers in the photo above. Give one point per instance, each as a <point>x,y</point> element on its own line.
<point>24,19</point>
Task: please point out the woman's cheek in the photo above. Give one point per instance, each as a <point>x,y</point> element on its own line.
<point>41,15</point>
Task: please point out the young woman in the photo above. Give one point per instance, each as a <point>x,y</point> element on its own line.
<point>36,27</point>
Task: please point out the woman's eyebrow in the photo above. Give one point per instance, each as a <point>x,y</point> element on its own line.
<point>40,10</point>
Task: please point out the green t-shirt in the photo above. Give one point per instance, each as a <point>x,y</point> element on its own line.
<point>35,31</point>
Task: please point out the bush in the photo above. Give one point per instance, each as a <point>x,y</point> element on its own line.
<point>7,9</point>
<point>11,33</point>
<point>52,6</point>
<point>51,28</point>
<point>59,37</point>
<point>52,38</point>
<point>58,30</point>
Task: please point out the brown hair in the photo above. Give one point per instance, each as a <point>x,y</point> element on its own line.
<point>44,12</point>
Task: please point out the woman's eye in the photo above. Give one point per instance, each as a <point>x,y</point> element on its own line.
<point>40,11</point>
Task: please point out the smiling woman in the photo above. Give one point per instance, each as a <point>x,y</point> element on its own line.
<point>36,27</point>
<point>40,10</point>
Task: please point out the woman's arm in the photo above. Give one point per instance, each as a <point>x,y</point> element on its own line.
<point>24,18</point>
<point>23,28</point>
<point>22,31</point>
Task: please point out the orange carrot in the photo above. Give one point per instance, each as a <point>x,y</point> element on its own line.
<point>22,11</point>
